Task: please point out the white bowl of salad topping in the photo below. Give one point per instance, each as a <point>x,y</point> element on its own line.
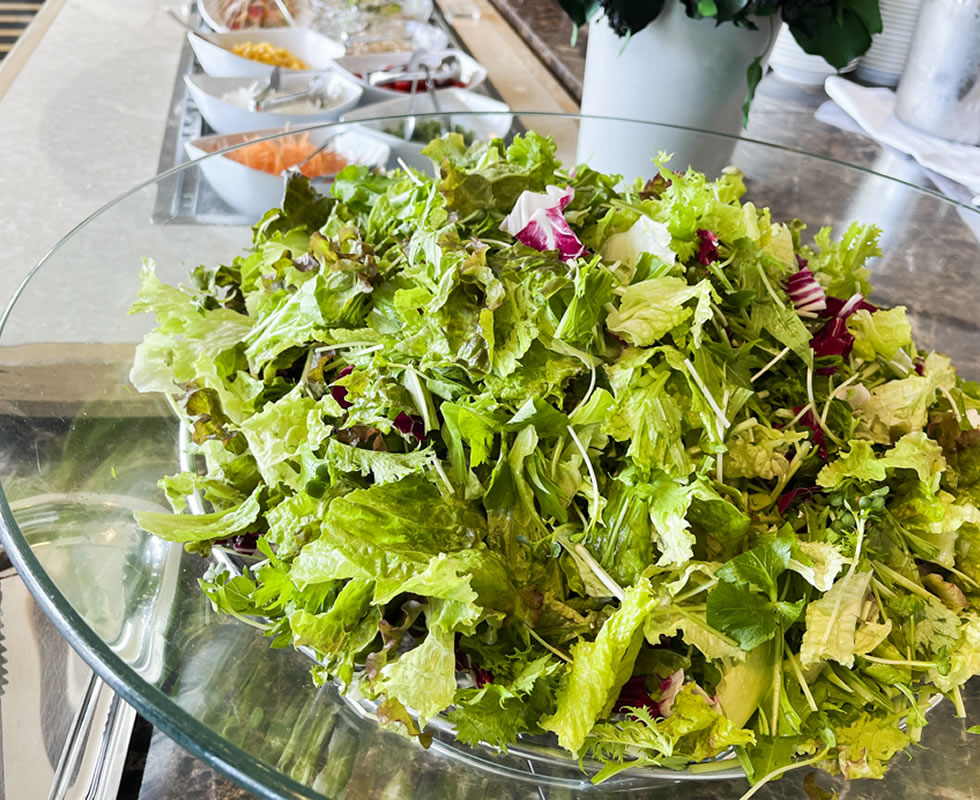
<point>250,179</point>
<point>236,15</point>
<point>224,102</point>
<point>471,126</point>
<point>472,73</point>
<point>294,49</point>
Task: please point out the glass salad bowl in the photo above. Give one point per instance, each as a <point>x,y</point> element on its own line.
<point>83,451</point>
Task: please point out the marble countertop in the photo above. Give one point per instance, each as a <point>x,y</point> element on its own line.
<point>81,122</point>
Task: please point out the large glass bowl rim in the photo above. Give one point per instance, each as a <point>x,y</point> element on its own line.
<point>157,707</point>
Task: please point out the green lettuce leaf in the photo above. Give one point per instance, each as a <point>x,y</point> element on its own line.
<point>187,338</point>
<point>277,432</point>
<point>901,406</point>
<point>914,451</point>
<point>506,706</point>
<point>832,622</point>
<point>865,747</point>
<point>819,563</point>
<point>840,266</point>
<point>599,669</point>
<point>328,632</point>
<point>761,452</point>
<point>649,310</point>
<point>188,528</point>
<point>384,466</point>
<point>424,678</point>
<point>882,333</point>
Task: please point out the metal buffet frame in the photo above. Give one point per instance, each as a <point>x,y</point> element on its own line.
<point>186,198</point>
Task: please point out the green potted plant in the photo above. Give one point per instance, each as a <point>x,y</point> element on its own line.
<point>675,61</point>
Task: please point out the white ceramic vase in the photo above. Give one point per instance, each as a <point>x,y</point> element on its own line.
<point>677,71</point>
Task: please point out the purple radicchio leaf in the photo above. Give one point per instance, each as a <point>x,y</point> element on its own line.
<point>340,392</point>
<point>410,425</point>
<point>834,339</point>
<point>708,248</point>
<point>836,307</point>
<point>538,220</point>
<point>800,493</point>
<point>807,295</point>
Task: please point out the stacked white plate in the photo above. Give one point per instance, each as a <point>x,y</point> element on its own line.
<point>790,62</point>
<point>884,62</point>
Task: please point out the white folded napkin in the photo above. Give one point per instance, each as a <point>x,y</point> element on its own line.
<point>874,110</point>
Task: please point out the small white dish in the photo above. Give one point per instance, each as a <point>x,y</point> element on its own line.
<point>472,73</point>
<point>410,9</point>
<point>309,46</point>
<point>252,192</point>
<point>497,121</point>
<point>212,15</point>
<point>381,32</point>
<point>227,116</point>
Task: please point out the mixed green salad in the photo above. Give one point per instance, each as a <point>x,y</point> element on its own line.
<point>634,467</point>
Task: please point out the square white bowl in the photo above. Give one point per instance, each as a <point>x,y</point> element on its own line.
<point>495,120</point>
<point>225,116</point>
<point>252,192</point>
<point>217,59</point>
<point>472,73</point>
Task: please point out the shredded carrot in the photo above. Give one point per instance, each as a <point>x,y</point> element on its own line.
<point>280,154</point>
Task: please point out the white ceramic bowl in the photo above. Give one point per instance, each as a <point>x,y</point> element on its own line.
<point>472,72</point>
<point>407,9</point>
<point>382,30</point>
<point>217,59</point>
<point>450,100</point>
<point>225,116</point>
<point>211,14</point>
<point>252,192</point>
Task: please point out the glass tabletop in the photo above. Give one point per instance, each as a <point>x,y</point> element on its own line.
<point>84,451</point>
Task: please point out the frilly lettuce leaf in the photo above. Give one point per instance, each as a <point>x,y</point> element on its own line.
<point>506,706</point>
<point>669,502</point>
<point>859,462</point>
<point>651,309</point>
<point>669,623</point>
<point>901,406</point>
<point>328,632</point>
<point>840,266</point>
<point>819,564</point>
<point>832,623</point>
<point>698,728</point>
<point>761,452</point>
<point>276,432</point>
<point>882,333</point>
<point>646,415</point>
<point>964,658</point>
<point>187,338</point>
<point>384,466</point>
<point>865,747</point>
<point>424,678</point>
